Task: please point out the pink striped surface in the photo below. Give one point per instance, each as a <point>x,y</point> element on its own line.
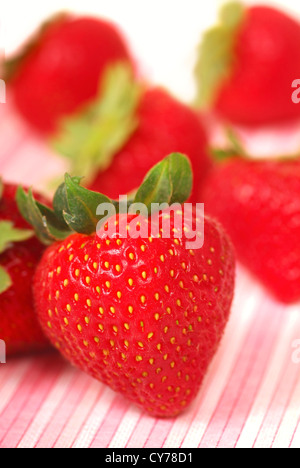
<point>250,397</point>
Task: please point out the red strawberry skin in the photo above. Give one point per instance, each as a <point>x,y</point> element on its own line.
<point>62,71</point>
<point>258,204</point>
<point>18,324</point>
<point>165,126</point>
<point>266,62</point>
<point>19,327</point>
<point>144,316</point>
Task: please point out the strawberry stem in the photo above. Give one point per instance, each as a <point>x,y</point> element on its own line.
<point>91,138</point>
<point>216,54</point>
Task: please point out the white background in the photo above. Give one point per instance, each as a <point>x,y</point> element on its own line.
<point>163,34</point>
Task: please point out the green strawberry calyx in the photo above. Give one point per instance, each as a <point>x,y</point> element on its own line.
<point>8,236</point>
<point>90,139</point>
<point>75,207</point>
<point>215,57</point>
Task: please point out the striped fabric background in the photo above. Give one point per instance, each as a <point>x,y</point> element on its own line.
<point>250,397</point>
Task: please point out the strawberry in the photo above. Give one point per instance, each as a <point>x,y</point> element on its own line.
<point>113,128</point>
<point>247,65</point>
<point>259,207</point>
<point>165,125</point>
<point>143,314</point>
<point>19,254</point>
<point>117,139</point>
<point>59,70</point>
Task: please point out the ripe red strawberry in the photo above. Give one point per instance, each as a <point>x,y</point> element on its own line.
<point>258,203</point>
<point>19,255</point>
<point>164,125</point>
<point>110,126</point>
<point>143,315</point>
<point>247,65</point>
<point>119,137</point>
<point>60,70</point>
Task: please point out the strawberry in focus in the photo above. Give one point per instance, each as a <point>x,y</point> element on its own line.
<point>258,203</point>
<point>247,64</point>
<point>144,315</point>
<point>59,70</point>
<point>20,253</point>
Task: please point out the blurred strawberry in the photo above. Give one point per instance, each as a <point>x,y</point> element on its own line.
<point>76,83</point>
<point>247,65</point>
<point>258,203</point>
<point>116,140</point>
<point>59,70</point>
<point>165,125</point>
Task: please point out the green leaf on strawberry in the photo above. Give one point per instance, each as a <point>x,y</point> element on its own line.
<point>93,136</point>
<point>170,181</point>
<point>46,225</point>
<point>82,206</point>
<point>9,234</point>
<point>75,207</point>
<point>215,57</point>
